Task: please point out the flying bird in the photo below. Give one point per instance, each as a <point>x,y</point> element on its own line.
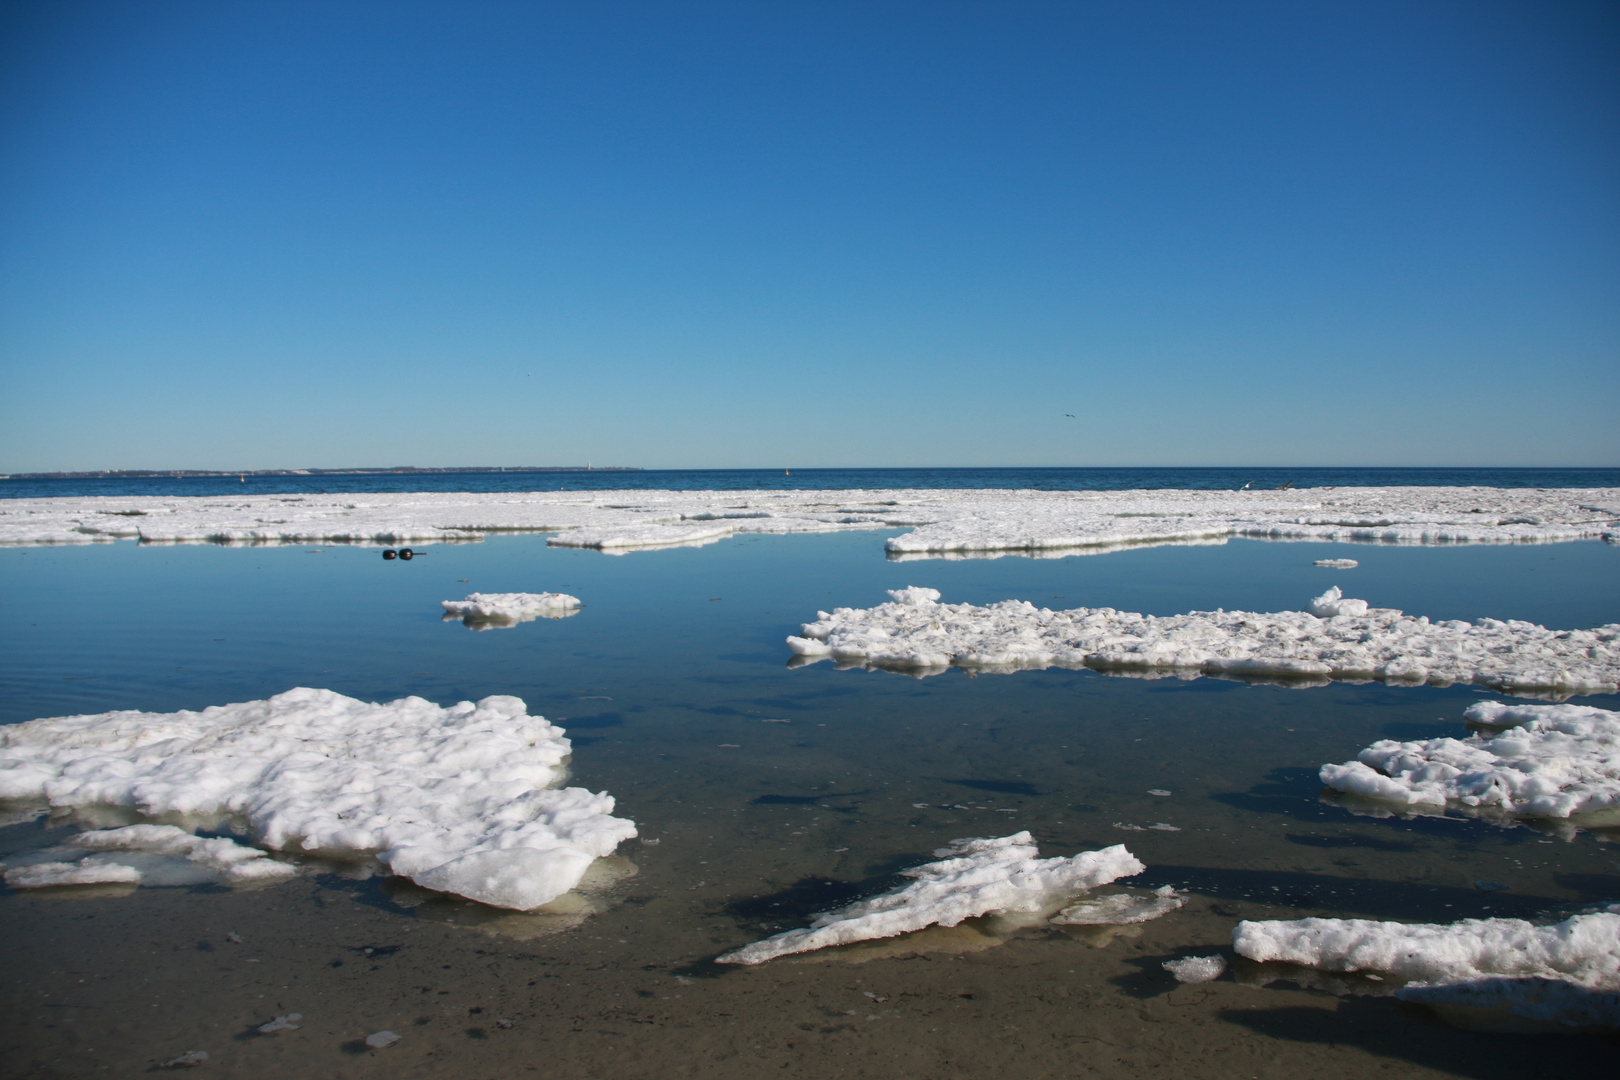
<point>1070,415</point>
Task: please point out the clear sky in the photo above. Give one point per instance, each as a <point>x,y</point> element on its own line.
<point>688,234</point>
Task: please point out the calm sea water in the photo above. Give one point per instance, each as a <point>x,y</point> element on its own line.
<point>665,681</point>
<point>788,479</point>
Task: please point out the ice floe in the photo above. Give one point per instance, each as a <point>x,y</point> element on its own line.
<point>1337,564</point>
<point>974,876</point>
<point>460,799</point>
<point>509,609</point>
<point>1537,761</point>
<point>1568,972</point>
<point>1348,641</point>
<point>941,523</point>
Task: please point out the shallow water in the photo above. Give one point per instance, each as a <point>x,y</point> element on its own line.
<point>666,681</point>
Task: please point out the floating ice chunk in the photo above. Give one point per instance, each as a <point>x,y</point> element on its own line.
<point>1551,761</point>
<point>510,608</point>
<point>1197,969</point>
<point>462,797</point>
<point>915,633</point>
<point>234,862</point>
<point>1160,792</point>
<point>379,1039</point>
<point>86,871</point>
<point>975,876</point>
<point>1569,971</point>
<point>1337,564</point>
<point>1332,603</point>
<point>1120,909</point>
<point>281,1023</point>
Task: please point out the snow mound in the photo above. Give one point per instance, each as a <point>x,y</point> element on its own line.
<point>459,799</point>
<point>1121,909</point>
<point>1568,972</point>
<point>1552,761</point>
<point>914,631</point>
<point>510,608</point>
<point>86,871</point>
<point>974,876</point>
<point>1332,604</point>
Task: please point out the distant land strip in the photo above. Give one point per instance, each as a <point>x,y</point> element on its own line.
<point>394,470</point>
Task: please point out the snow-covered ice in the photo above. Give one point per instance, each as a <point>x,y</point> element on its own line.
<point>974,876</point>
<point>1349,641</point>
<point>1536,761</point>
<point>1568,972</point>
<point>1196,969</point>
<point>236,863</point>
<point>1121,909</point>
<point>460,799</point>
<point>510,608</point>
<point>1337,564</point>
<point>941,523</point>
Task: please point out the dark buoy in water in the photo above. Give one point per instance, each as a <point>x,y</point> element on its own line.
<point>388,553</point>
<point>407,554</point>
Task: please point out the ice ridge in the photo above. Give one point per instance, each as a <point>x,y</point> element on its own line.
<point>1347,641</point>
<point>461,799</point>
<point>974,876</point>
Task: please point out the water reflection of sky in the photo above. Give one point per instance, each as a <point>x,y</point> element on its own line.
<point>673,681</point>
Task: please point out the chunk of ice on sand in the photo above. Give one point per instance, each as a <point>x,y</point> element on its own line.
<point>1568,972</point>
<point>458,799</point>
<point>236,863</point>
<point>974,876</point>
<point>1196,969</point>
<point>1120,909</point>
<point>87,871</point>
<point>511,607</point>
<point>1343,639</point>
<point>1552,761</point>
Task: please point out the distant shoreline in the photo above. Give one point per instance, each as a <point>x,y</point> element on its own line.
<point>396,470</point>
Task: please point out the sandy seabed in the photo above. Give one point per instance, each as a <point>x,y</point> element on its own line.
<point>113,985</point>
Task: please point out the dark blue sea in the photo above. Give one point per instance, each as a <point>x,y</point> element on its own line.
<point>1038,479</point>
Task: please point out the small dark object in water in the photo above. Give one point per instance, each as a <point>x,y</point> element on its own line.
<point>1491,886</point>
<point>407,554</point>
<point>389,553</point>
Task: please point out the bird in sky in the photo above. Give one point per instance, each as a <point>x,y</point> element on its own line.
<point>1070,415</point>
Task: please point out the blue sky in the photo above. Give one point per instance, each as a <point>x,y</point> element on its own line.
<point>685,234</point>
